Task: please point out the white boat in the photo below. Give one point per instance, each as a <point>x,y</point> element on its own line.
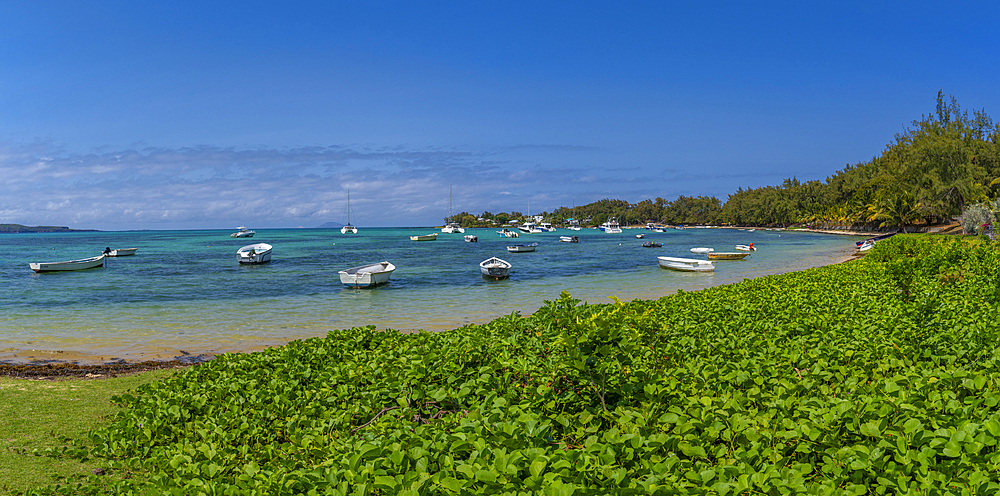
<point>507,233</point>
<point>569,239</point>
<point>82,264</point>
<point>529,228</point>
<point>471,238</point>
<point>522,248</point>
<point>348,228</point>
<point>254,254</point>
<point>746,247</point>
<point>611,227</point>
<point>574,228</point>
<point>686,264</point>
<point>451,227</point>
<point>242,232</point>
<point>640,236</point>
<point>367,276</point>
<point>546,227</point>
<point>424,237</point>
<point>495,268</point>
<point>658,229</point>
<point>702,250</point>
<point>120,252</point>
<point>719,255</point>
<point>867,245</point>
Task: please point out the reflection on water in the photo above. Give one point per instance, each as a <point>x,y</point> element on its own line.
<point>184,291</point>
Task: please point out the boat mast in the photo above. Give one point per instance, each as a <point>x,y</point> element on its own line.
<point>348,206</point>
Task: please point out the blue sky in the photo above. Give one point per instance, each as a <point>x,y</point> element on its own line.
<point>176,115</point>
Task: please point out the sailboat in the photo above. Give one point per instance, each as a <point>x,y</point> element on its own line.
<point>574,225</point>
<point>451,227</point>
<point>348,228</point>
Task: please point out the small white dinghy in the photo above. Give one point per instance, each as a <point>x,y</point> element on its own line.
<point>495,268</point>
<point>749,247</point>
<point>367,276</point>
<point>702,250</point>
<point>569,239</point>
<point>82,264</point>
<point>121,252</point>
<point>424,237</point>
<point>686,264</point>
<point>522,248</point>
<point>471,238</point>
<point>254,254</point>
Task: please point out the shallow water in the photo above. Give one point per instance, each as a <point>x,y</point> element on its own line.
<point>184,293</point>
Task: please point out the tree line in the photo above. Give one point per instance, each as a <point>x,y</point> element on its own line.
<point>930,172</point>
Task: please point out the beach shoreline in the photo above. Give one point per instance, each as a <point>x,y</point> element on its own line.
<point>46,364</point>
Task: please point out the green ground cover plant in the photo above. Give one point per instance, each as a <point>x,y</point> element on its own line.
<point>876,376</point>
<point>44,426</point>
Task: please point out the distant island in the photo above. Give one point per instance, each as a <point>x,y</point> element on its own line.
<point>330,225</point>
<point>18,228</point>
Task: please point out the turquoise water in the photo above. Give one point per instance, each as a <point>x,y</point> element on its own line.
<point>183,293</point>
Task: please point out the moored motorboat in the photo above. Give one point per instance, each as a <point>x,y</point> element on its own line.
<point>254,254</point>
<point>424,237</point>
<point>702,250</point>
<point>507,233</point>
<point>120,252</point>
<point>640,236</point>
<point>746,247</point>
<point>367,276</point>
<point>569,239</point>
<point>686,264</point>
<point>471,238</point>
<point>721,255</point>
<point>495,268</point>
<point>650,244</point>
<point>522,248</point>
<point>611,227</point>
<point>242,232</point>
<point>82,264</point>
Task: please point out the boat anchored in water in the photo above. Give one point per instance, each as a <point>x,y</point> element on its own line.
<point>424,237</point>
<point>254,254</point>
<point>702,250</point>
<point>120,252</point>
<point>495,268</point>
<point>686,264</point>
<point>471,238</point>
<point>242,232</point>
<point>569,239</point>
<point>367,276</point>
<point>721,255</point>
<point>82,264</point>
<point>522,248</point>
<point>348,228</point>
<point>746,247</point>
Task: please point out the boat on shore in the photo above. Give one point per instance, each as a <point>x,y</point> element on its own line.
<point>686,264</point>
<point>82,264</point>
<point>424,237</point>
<point>120,252</point>
<point>872,241</point>
<point>367,276</point>
<point>254,254</point>
<point>242,232</point>
<point>522,248</point>
<point>722,255</point>
<point>569,239</point>
<point>495,268</point>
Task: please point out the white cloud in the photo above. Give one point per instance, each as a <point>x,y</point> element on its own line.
<point>215,187</point>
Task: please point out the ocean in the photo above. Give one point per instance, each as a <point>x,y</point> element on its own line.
<point>184,295</point>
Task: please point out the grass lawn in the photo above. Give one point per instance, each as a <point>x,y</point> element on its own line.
<point>39,420</point>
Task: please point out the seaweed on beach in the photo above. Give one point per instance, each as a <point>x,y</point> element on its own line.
<point>62,370</point>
